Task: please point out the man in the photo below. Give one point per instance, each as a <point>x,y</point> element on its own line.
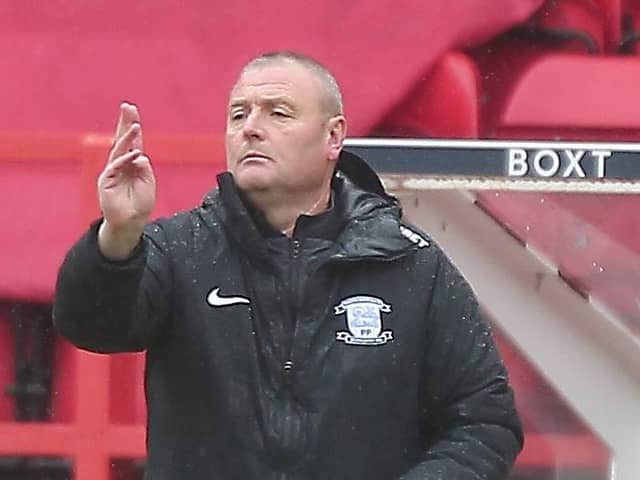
<point>295,327</point>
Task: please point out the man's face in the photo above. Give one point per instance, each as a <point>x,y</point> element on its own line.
<point>280,136</point>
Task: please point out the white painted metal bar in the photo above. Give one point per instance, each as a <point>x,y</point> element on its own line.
<point>405,182</point>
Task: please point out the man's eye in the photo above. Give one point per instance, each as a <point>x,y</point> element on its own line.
<point>236,115</point>
<point>280,113</point>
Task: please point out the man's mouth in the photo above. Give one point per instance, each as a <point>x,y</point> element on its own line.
<point>251,156</point>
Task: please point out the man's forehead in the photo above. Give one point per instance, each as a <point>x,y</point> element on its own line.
<point>242,98</point>
<point>278,79</point>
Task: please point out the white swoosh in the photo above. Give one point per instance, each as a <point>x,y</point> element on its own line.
<point>216,300</point>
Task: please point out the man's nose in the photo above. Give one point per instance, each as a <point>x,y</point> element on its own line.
<point>252,126</point>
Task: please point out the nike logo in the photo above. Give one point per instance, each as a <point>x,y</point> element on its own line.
<point>215,300</point>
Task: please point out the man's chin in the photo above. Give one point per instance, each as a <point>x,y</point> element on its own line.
<point>252,181</point>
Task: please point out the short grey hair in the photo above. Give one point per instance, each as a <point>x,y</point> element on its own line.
<point>322,73</point>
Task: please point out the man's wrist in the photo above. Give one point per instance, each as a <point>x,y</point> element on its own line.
<point>118,243</point>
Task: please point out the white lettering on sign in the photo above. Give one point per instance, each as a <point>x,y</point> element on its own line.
<point>548,163</point>
<point>518,166</point>
<point>600,155</point>
<point>574,164</point>
<point>552,166</point>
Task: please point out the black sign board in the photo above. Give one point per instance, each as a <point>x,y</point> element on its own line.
<point>528,165</point>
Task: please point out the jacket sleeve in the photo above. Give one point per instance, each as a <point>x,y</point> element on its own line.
<point>468,419</point>
<point>113,306</point>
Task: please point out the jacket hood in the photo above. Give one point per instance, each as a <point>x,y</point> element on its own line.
<point>371,217</point>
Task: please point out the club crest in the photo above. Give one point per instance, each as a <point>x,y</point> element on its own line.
<point>364,321</point>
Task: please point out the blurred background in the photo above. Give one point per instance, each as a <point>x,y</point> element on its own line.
<point>557,273</point>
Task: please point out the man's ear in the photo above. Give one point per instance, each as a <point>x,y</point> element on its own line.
<point>336,133</point>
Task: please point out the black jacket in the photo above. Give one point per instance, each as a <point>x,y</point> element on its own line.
<point>354,352</point>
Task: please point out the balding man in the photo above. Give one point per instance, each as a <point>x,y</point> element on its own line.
<point>295,326</point>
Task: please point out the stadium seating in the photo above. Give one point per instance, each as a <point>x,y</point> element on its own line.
<point>600,19</point>
<point>444,104</point>
<point>565,96</point>
<point>569,21</point>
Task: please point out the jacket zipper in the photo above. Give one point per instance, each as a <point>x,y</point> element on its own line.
<point>288,365</point>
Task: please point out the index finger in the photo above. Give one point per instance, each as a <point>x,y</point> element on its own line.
<point>128,115</point>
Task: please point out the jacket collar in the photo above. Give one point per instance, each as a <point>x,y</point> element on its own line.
<point>372,225</point>
<point>371,217</point>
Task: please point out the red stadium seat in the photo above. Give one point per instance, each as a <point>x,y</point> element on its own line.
<point>569,27</point>
<point>573,20</point>
<point>566,96</point>
<point>444,104</point>
<point>595,23</point>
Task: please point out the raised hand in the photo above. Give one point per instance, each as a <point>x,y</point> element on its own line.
<point>126,188</point>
